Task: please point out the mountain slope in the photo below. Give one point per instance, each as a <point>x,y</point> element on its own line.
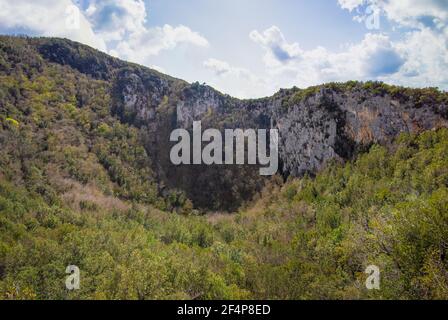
<point>315,125</point>
<point>307,239</point>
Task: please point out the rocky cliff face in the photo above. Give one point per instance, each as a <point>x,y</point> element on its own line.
<point>315,125</point>
<point>333,124</point>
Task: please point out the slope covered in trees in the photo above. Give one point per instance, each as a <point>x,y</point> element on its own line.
<point>306,239</point>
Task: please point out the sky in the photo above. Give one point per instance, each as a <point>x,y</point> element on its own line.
<point>252,48</point>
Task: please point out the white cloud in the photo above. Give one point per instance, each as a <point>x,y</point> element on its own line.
<point>278,51</point>
<point>48,18</point>
<point>424,42</point>
<point>239,81</point>
<point>113,20</point>
<point>121,23</point>
<point>350,4</point>
<point>418,58</point>
<point>415,12</point>
<point>222,68</point>
<point>376,56</point>
<point>410,13</point>
<point>218,67</point>
<point>141,46</point>
<point>117,27</point>
<point>426,64</point>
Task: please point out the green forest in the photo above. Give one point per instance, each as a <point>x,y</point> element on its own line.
<point>77,188</point>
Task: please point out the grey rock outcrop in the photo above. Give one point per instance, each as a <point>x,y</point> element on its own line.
<point>330,123</point>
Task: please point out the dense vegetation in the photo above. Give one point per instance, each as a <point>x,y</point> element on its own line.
<point>311,238</point>
<point>77,188</point>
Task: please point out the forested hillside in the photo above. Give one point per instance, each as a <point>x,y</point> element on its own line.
<point>84,181</point>
<point>307,239</point>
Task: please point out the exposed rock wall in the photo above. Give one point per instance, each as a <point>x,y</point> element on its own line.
<point>326,123</point>
<point>329,124</point>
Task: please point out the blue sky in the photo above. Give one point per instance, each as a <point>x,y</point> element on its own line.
<point>251,48</point>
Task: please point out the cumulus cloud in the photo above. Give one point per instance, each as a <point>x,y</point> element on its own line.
<point>240,81</point>
<point>278,51</point>
<point>219,67</point>
<point>426,52</point>
<point>376,56</point>
<point>424,42</point>
<point>350,4</point>
<point>410,13</point>
<point>418,58</point>
<point>114,20</point>
<point>49,18</point>
<point>417,13</point>
<point>115,26</point>
<point>122,25</point>
<point>223,68</point>
<point>141,46</point>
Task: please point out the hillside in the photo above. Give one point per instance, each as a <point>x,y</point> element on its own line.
<point>85,179</point>
<point>52,81</point>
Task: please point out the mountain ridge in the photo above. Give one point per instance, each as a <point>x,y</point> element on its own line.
<point>316,125</point>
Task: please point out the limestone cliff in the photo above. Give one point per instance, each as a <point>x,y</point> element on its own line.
<point>332,121</point>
